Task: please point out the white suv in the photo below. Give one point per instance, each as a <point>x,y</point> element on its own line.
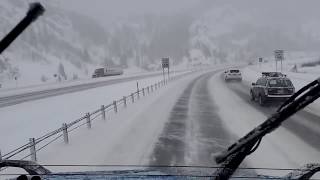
<point>232,74</point>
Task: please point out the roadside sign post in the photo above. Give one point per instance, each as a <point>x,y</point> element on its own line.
<point>168,72</point>
<point>278,54</point>
<point>165,64</point>
<point>164,78</point>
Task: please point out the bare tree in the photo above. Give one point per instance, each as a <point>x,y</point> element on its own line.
<point>61,71</point>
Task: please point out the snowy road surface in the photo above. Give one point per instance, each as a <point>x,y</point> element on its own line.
<point>187,123</point>
<point>194,131</point>
<point>210,114</point>
<point>34,95</point>
<point>38,117</point>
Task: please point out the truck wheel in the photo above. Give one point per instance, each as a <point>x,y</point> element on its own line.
<point>252,98</point>
<point>261,100</point>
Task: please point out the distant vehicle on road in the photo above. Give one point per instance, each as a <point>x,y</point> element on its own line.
<point>271,87</point>
<point>232,74</point>
<point>102,72</point>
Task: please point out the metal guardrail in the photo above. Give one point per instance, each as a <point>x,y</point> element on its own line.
<point>87,119</point>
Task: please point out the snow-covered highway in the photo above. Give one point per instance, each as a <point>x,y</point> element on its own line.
<point>34,94</point>
<point>210,114</point>
<point>187,123</point>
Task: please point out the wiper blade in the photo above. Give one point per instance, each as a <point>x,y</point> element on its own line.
<point>35,10</point>
<point>31,167</point>
<point>237,152</point>
<point>305,172</point>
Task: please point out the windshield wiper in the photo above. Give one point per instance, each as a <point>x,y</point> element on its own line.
<point>305,172</point>
<point>35,10</point>
<point>231,158</point>
<point>31,167</point>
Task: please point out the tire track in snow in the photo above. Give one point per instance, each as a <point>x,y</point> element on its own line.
<point>170,148</point>
<point>209,134</point>
<point>294,124</point>
<point>194,131</point>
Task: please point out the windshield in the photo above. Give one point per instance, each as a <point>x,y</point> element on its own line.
<point>156,85</point>
<point>278,82</point>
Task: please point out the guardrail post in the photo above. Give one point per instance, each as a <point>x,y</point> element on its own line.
<point>155,86</point>
<point>151,88</point>
<point>124,101</point>
<point>65,133</point>
<point>103,112</point>
<point>88,120</point>
<point>132,97</point>
<point>115,106</point>
<point>32,142</point>
<point>143,93</point>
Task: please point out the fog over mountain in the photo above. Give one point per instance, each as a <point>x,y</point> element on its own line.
<point>221,30</point>
<point>83,34</point>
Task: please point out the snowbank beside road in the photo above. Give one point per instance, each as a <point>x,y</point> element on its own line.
<point>36,118</point>
<point>5,92</point>
<point>114,141</point>
<point>125,139</point>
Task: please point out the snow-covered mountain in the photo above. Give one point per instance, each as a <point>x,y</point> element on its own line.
<point>64,42</point>
<point>70,45</point>
<point>57,39</point>
<point>246,30</point>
